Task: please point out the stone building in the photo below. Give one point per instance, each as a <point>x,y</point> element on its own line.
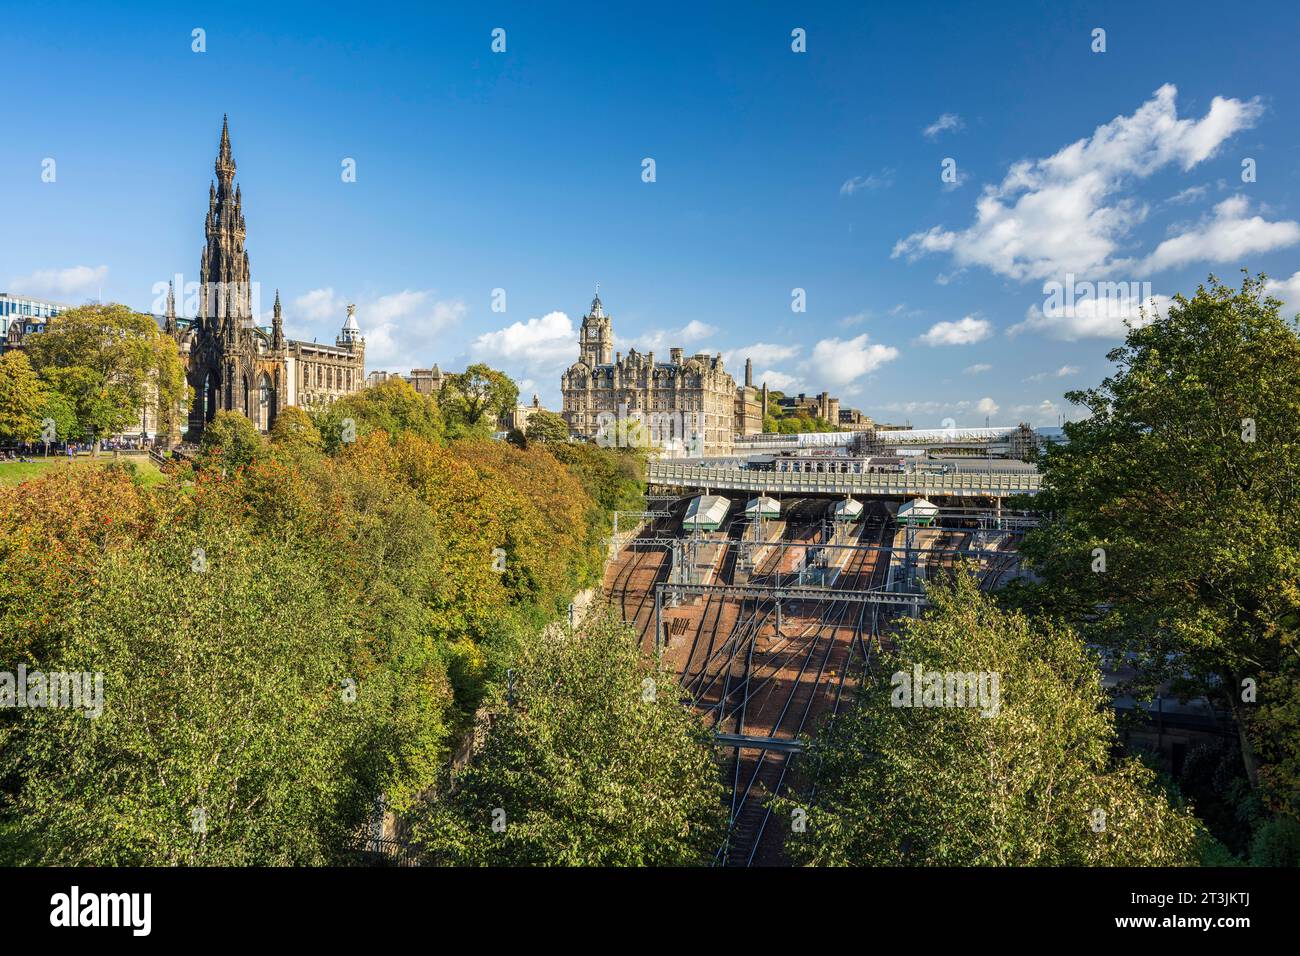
<point>676,399</point>
<point>426,381</point>
<point>518,416</point>
<point>821,406</point>
<point>852,420</point>
<point>751,404</point>
<point>233,364</point>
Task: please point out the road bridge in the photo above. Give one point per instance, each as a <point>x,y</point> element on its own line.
<point>677,474</point>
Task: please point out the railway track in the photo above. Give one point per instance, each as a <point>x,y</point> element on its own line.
<point>779,697</point>
<point>745,678</point>
<point>694,682</point>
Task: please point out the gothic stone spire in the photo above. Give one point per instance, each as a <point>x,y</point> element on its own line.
<point>224,274</point>
<point>169,325</point>
<point>277,325</point>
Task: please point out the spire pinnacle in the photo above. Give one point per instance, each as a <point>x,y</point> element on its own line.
<point>225,164</point>
<point>169,322</point>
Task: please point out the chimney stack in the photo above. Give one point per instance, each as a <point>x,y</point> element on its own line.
<point>749,373</point>
<point>676,356</point>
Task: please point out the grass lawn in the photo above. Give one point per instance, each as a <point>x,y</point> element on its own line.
<point>16,472</point>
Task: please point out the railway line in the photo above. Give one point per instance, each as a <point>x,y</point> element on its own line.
<point>749,679</point>
<point>783,695</point>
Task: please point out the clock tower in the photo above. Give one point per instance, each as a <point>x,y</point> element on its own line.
<point>597,345</point>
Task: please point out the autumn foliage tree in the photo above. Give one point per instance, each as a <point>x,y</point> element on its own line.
<point>22,398</point>
<point>303,631</point>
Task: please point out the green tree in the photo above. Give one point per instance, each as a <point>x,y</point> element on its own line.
<point>393,406</point>
<point>1024,777</point>
<point>226,736</point>
<point>1277,843</point>
<point>294,429</point>
<point>21,398</point>
<point>474,399</point>
<point>1172,532</point>
<point>544,426</point>
<point>59,409</point>
<point>230,441</point>
<point>593,762</point>
<point>110,362</point>
<point>165,591</point>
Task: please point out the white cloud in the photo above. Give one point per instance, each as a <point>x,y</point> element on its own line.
<point>928,408</point>
<point>778,381</point>
<point>1190,194</point>
<point>317,306</point>
<point>538,345</point>
<point>1229,235</point>
<point>1096,317</point>
<point>881,180</point>
<point>1047,412</point>
<point>948,121</point>
<point>965,331</point>
<point>1062,372</point>
<point>400,328</point>
<point>661,340</point>
<point>1288,290</point>
<point>1063,214</point>
<point>986,406</point>
<point>60,283</point>
<point>977,368</point>
<point>838,363</point>
<point>762,353</point>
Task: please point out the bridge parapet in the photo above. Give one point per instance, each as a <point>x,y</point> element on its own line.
<point>960,485</point>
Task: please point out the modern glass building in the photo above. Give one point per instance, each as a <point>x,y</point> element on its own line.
<point>29,314</point>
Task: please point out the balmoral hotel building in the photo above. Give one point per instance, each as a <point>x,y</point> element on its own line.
<point>693,391</point>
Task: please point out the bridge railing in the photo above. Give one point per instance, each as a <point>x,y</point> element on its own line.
<point>997,484</point>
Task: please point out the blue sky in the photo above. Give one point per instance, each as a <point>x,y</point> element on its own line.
<point>774,171</point>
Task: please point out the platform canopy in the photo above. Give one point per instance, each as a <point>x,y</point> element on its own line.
<point>763,506</point>
<point>848,510</point>
<point>918,511</point>
<point>824,439</point>
<point>917,436</point>
<point>705,513</point>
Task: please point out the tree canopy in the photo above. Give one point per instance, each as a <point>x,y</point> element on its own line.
<point>589,759</point>
<point>231,441</point>
<point>1026,781</point>
<point>473,400</point>
<point>302,631</point>
<point>110,361</point>
<point>22,398</point>
<point>393,406</point>
<point>1172,535</point>
<point>544,426</point>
